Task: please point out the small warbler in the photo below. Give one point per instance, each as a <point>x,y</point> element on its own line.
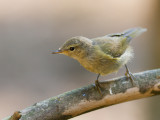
<point>102,55</point>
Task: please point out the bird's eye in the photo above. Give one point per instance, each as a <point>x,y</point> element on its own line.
<point>71,48</point>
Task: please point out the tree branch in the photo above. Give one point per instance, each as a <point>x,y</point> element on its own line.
<point>86,99</point>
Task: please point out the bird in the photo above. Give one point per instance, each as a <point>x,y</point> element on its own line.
<point>102,55</point>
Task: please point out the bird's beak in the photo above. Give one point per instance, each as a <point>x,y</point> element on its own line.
<point>56,51</point>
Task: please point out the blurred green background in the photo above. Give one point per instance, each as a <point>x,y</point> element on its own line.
<point>29,29</point>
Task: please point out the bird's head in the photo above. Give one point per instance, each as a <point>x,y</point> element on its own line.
<point>76,47</point>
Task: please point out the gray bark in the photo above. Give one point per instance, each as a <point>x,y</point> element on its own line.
<point>86,99</point>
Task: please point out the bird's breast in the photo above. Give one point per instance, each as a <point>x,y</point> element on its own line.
<point>99,64</point>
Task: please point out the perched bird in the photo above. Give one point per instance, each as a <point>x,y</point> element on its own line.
<point>102,55</point>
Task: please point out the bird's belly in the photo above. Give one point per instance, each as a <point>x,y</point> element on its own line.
<point>102,67</point>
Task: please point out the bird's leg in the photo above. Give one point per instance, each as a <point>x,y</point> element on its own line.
<point>97,84</point>
<point>129,75</point>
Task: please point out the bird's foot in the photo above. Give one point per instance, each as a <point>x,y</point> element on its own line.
<point>130,76</point>
<point>98,87</point>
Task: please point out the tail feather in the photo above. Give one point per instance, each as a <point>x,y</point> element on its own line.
<point>133,32</point>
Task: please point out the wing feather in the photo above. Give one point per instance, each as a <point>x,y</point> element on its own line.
<point>114,46</point>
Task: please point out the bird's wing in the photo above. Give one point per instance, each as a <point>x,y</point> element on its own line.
<point>129,33</point>
<point>113,46</point>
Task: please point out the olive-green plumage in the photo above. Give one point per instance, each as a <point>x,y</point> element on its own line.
<point>101,55</point>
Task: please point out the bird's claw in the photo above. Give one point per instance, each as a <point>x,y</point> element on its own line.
<point>97,85</point>
<point>130,76</point>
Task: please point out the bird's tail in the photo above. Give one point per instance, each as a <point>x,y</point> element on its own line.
<point>133,32</point>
